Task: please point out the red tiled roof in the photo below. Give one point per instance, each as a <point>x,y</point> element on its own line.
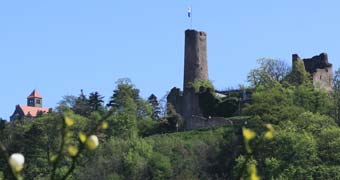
<point>34,94</point>
<point>32,110</point>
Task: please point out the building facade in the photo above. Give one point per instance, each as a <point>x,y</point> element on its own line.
<point>31,110</point>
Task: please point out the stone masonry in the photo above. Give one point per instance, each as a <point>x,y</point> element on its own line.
<point>320,69</point>
<point>186,103</point>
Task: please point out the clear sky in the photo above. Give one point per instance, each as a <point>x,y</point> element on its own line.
<point>60,47</point>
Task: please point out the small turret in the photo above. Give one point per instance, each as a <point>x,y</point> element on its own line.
<point>34,99</point>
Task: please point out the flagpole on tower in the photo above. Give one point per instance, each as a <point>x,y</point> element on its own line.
<point>190,15</point>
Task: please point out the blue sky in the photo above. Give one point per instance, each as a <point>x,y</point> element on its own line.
<point>60,47</point>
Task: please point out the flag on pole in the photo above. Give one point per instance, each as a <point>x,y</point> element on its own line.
<point>189,12</point>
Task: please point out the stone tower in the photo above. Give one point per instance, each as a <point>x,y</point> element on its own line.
<point>186,102</point>
<point>34,99</point>
<point>320,69</point>
<point>195,57</point>
<point>195,69</point>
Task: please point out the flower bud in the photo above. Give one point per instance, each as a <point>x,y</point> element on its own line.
<point>248,134</point>
<point>16,161</point>
<point>104,125</point>
<point>92,142</point>
<point>68,121</point>
<point>270,133</point>
<point>82,137</point>
<point>72,150</point>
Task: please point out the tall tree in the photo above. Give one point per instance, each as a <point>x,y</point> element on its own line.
<point>96,101</point>
<point>82,106</point>
<point>156,109</point>
<point>336,95</point>
<point>2,126</point>
<point>268,72</point>
<point>125,100</point>
<point>299,75</point>
<point>67,102</point>
<point>124,89</point>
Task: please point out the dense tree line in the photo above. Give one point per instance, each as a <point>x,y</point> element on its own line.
<point>140,143</point>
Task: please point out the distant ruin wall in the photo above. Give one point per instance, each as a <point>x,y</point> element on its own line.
<point>175,98</point>
<point>320,69</point>
<point>200,122</point>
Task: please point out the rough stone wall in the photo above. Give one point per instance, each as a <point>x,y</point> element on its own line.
<point>191,108</point>
<point>195,69</point>
<point>202,122</point>
<point>320,69</point>
<point>322,78</point>
<point>175,98</point>
<point>317,62</point>
<point>186,103</point>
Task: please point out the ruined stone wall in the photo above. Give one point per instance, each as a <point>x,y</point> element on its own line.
<point>322,78</point>
<point>320,69</point>
<point>202,122</point>
<point>191,107</point>
<point>316,62</point>
<point>175,98</point>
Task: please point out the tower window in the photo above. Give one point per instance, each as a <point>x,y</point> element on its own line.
<point>38,101</point>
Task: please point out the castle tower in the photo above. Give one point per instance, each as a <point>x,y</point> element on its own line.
<point>34,99</point>
<point>195,69</point>
<point>195,57</point>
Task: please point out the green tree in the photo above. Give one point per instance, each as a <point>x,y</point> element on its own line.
<point>175,121</point>
<point>124,88</point>
<point>273,104</point>
<point>144,109</point>
<point>312,99</point>
<point>156,110</point>
<point>270,71</point>
<point>82,106</point>
<point>2,126</point>
<point>67,102</point>
<point>291,155</point>
<point>329,145</point>
<point>299,75</point>
<point>96,101</point>
<point>35,152</point>
<point>159,166</point>
<point>336,95</point>
<point>125,101</point>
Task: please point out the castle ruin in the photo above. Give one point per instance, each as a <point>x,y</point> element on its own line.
<point>319,68</point>
<point>186,103</point>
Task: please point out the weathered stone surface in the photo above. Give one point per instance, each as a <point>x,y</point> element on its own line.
<point>317,62</point>
<point>195,57</point>
<point>175,98</point>
<point>186,103</point>
<point>191,107</point>
<point>200,122</point>
<point>320,69</point>
<point>195,69</point>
